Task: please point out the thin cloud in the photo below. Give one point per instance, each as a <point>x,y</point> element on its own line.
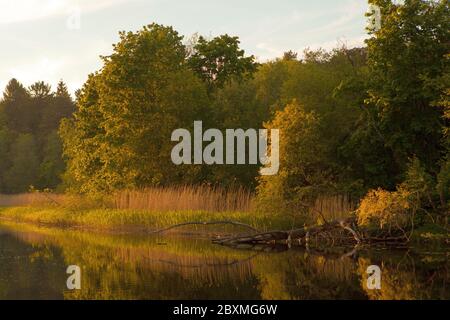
<point>29,10</point>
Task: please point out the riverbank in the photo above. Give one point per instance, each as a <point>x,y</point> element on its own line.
<point>140,221</point>
<point>146,221</point>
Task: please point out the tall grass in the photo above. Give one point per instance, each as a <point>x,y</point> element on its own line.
<point>184,198</point>
<point>27,199</point>
<point>176,199</point>
<point>333,207</point>
<point>195,198</point>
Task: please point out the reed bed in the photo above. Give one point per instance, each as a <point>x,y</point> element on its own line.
<point>183,198</point>
<point>333,207</point>
<point>194,198</point>
<point>31,199</point>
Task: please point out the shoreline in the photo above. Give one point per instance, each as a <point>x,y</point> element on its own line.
<point>115,221</point>
<point>142,222</point>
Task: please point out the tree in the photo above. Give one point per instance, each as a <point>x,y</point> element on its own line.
<point>305,169</point>
<point>120,135</point>
<point>236,106</point>
<point>29,119</point>
<point>404,55</point>
<point>40,90</point>
<point>220,60</point>
<point>16,106</point>
<point>25,164</point>
<point>290,55</point>
<point>52,165</point>
<point>62,91</point>
<point>60,105</point>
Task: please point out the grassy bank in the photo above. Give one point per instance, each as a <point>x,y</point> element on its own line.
<point>137,220</point>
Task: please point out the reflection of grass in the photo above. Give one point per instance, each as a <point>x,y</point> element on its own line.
<point>129,220</point>
<point>186,267</point>
<point>138,267</point>
<point>150,244</point>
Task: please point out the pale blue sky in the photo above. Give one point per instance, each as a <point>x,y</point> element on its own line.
<point>40,39</point>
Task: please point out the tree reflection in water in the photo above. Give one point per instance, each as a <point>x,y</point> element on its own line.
<point>34,261</point>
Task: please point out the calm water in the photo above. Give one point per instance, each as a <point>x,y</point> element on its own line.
<point>33,264</point>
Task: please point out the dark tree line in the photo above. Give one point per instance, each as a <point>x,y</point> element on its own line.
<point>30,147</point>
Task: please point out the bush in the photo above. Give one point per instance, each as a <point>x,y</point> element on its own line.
<point>386,210</point>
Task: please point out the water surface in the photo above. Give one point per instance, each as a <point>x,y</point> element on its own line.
<point>33,263</point>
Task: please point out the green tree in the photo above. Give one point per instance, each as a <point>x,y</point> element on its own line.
<point>60,105</point>
<point>120,135</point>
<point>24,170</point>
<point>52,165</point>
<point>30,118</point>
<point>220,60</point>
<point>16,105</point>
<point>305,170</point>
<point>40,90</point>
<point>404,55</point>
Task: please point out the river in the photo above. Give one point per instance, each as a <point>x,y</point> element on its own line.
<point>34,261</point>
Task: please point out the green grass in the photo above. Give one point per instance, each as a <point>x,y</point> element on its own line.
<point>135,220</point>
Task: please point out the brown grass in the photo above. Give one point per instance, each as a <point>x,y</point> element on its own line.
<point>27,199</point>
<point>333,207</point>
<point>195,198</point>
<point>184,198</point>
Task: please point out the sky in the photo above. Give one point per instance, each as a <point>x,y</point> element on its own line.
<point>51,40</point>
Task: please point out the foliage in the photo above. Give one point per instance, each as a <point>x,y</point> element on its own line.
<point>30,150</point>
<point>404,56</point>
<point>220,60</point>
<point>25,164</point>
<point>302,162</point>
<point>351,120</point>
<point>133,220</point>
<point>128,110</point>
<point>381,209</point>
<point>403,208</point>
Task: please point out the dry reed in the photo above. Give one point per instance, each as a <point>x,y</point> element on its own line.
<point>183,198</point>
<point>195,198</point>
<point>27,199</point>
<point>333,207</point>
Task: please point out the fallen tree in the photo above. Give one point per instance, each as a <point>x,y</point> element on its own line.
<point>338,232</point>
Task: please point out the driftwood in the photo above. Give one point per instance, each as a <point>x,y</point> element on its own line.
<point>303,234</point>
<point>342,231</point>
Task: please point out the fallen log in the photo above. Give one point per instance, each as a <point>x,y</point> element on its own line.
<point>301,235</point>
<point>289,236</point>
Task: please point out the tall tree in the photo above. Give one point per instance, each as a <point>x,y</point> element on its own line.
<point>17,109</point>
<point>404,55</point>
<point>220,60</point>
<point>120,136</point>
